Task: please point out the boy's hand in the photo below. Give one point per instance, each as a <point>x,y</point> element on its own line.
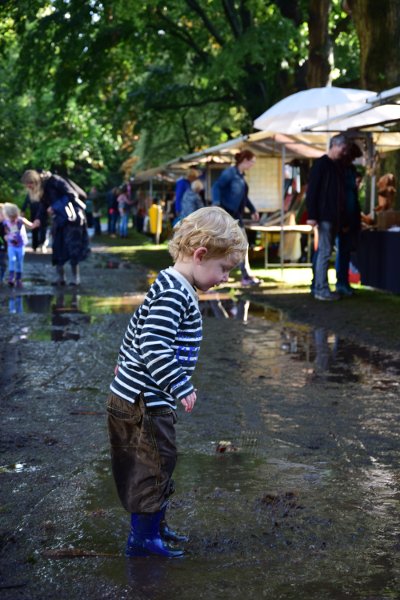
<point>189,402</point>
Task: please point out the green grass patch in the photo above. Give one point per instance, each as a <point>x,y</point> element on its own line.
<point>139,249</point>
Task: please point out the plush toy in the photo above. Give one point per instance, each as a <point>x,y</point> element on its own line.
<point>386,197</point>
<point>386,192</point>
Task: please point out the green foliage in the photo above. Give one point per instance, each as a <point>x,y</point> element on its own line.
<point>346,47</point>
<point>88,83</point>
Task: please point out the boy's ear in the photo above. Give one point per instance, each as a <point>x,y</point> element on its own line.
<point>199,254</point>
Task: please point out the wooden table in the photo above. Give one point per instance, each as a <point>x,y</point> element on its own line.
<point>268,230</point>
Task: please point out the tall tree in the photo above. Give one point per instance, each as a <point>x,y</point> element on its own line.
<point>378,29</point>
<point>179,75</point>
<point>319,68</point>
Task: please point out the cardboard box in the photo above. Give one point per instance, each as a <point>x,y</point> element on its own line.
<point>387,218</point>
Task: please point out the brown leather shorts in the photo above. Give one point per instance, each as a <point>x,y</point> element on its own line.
<point>143,453</point>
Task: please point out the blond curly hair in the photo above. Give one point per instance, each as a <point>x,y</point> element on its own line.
<point>11,211</point>
<point>212,228</point>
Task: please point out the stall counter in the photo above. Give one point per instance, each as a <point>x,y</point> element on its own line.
<point>378,258</point>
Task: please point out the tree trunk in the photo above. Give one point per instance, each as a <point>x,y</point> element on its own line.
<point>378,28</point>
<point>318,67</point>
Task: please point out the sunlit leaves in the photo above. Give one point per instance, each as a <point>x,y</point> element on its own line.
<point>181,74</point>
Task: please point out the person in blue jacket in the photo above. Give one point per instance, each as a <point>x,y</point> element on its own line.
<point>230,191</point>
<point>182,185</point>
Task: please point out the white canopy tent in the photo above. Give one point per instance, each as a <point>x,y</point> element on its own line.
<point>378,110</point>
<point>376,121</point>
<point>362,114</point>
<point>300,110</point>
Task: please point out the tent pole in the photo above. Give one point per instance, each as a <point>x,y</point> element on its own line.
<point>371,163</point>
<point>281,242</point>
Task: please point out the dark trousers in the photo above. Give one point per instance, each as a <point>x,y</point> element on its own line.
<point>38,236</point>
<point>143,453</point>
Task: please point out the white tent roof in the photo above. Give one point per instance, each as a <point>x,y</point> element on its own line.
<point>378,111</point>
<point>383,141</point>
<point>365,117</point>
<point>264,142</point>
<point>300,110</point>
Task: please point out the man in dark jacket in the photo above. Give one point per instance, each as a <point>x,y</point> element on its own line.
<point>350,225</point>
<point>325,206</point>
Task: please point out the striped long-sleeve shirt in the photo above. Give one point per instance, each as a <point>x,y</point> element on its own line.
<point>160,347</point>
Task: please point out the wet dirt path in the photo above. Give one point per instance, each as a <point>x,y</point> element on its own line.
<point>303,502</point>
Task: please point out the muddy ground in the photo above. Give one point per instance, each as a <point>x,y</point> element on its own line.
<point>304,501</point>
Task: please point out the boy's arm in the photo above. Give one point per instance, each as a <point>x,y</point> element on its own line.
<point>189,401</point>
<point>158,335</point>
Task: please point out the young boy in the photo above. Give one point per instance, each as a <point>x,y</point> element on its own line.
<point>156,360</point>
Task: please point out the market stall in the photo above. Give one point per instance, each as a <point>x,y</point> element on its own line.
<point>376,121</point>
<point>266,181</point>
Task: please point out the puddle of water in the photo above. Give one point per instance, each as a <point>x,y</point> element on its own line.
<point>216,305</point>
<point>258,527</point>
<point>71,302</point>
<point>326,355</point>
<point>304,501</point>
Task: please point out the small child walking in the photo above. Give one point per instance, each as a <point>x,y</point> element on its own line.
<point>15,234</point>
<point>156,360</point>
<point>3,245</point>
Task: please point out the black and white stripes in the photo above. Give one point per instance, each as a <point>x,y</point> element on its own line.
<point>161,344</point>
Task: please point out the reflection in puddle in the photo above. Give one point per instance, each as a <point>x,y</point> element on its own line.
<point>91,305</point>
<point>325,354</point>
<point>18,468</point>
<point>305,505</point>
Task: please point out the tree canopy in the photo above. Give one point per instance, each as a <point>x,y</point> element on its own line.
<point>89,84</point>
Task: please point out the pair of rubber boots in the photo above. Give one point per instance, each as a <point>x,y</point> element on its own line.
<point>148,534</point>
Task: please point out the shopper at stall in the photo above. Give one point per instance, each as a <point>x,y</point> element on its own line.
<point>192,200</point>
<point>350,224</point>
<point>230,191</point>
<point>183,184</point>
<point>325,205</point>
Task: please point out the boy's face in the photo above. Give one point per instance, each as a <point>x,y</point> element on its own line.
<point>212,271</point>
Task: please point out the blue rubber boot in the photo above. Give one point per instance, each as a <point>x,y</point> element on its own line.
<point>168,534</point>
<point>145,539</point>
